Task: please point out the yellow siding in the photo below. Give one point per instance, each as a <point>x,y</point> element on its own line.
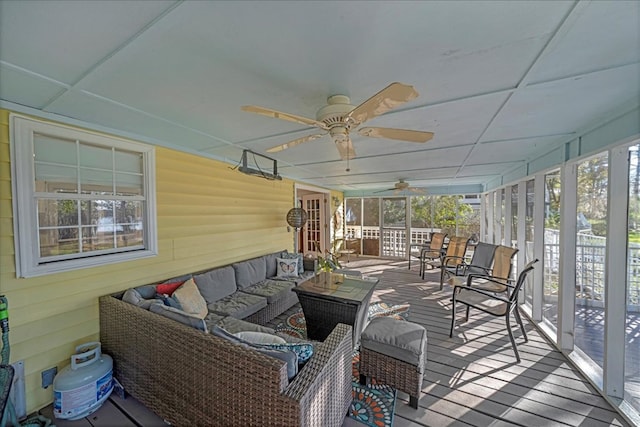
<point>208,215</point>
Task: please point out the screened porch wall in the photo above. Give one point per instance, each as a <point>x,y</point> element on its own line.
<point>586,290</point>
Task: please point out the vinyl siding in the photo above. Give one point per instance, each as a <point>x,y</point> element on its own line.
<point>207,215</point>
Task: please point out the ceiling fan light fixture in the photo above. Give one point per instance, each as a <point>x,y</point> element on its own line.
<point>339,117</point>
<point>340,134</point>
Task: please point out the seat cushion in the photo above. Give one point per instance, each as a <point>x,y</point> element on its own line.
<point>272,290</point>
<point>399,339</point>
<point>233,325</point>
<point>216,284</point>
<point>238,305</point>
<point>250,272</point>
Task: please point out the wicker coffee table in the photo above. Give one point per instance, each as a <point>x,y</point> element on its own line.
<point>330,298</point>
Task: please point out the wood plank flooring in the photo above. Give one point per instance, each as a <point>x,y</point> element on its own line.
<point>471,379</point>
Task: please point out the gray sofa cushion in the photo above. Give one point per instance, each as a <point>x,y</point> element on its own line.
<point>179,316</point>
<point>272,290</point>
<point>250,272</point>
<point>146,291</point>
<point>233,325</point>
<point>238,305</point>
<point>132,296</point>
<point>270,261</point>
<point>399,339</point>
<point>216,284</point>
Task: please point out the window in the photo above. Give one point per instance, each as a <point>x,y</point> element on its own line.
<point>80,199</point>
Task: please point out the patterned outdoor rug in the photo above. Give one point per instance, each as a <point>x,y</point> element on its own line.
<point>295,324</point>
<point>372,404</point>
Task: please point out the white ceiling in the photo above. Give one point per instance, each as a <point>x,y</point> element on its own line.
<point>500,82</point>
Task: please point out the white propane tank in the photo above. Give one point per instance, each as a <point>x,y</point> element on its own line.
<point>81,388</point>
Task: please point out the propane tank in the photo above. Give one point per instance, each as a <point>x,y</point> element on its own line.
<point>82,387</point>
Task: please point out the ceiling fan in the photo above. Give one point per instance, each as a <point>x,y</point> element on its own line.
<point>339,117</point>
<point>401,186</point>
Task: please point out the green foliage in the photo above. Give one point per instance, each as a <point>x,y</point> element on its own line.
<point>328,263</point>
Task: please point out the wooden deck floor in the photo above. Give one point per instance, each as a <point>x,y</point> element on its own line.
<point>471,379</point>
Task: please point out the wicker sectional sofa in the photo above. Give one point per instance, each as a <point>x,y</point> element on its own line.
<point>191,377</point>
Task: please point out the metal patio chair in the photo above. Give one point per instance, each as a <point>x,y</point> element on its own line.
<point>480,264</point>
<point>453,257</point>
<point>433,251</point>
<point>499,305</point>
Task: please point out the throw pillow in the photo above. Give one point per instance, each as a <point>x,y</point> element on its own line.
<point>259,337</point>
<point>132,296</point>
<point>303,351</point>
<point>189,298</point>
<point>168,288</point>
<point>296,256</point>
<point>286,268</point>
<point>288,357</point>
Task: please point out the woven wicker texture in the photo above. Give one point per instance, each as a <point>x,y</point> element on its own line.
<point>274,309</point>
<point>387,370</point>
<point>195,379</point>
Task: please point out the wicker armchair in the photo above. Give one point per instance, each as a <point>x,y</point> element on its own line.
<point>191,378</point>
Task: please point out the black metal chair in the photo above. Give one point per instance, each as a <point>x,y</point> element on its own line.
<point>454,256</point>
<point>480,263</point>
<point>433,251</point>
<point>492,303</point>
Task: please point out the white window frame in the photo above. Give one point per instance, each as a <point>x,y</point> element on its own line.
<point>25,215</point>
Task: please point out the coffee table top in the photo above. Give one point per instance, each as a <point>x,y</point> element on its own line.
<point>340,287</point>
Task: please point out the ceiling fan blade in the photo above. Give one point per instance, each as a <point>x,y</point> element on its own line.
<point>385,190</point>
<point>387,99</point>
<point>345,148</point>
<point>284,116</point>
<point>294,143</point>
<point>399,134</point>
<point>416,190</point>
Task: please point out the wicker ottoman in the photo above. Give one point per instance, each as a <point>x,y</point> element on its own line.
<point>394,352</point>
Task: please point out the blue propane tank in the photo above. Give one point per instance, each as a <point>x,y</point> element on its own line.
<point>81,388</point>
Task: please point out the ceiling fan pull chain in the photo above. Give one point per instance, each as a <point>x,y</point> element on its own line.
<point>348,158</point>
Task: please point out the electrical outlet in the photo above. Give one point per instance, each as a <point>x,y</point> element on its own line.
<point>48,376</point>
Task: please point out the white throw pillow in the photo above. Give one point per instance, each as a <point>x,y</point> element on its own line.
<point>259,337</point>
<point>286,267</point>
<point>190,300</point>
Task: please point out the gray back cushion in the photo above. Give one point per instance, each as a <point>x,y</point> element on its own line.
<point>179,316</point>
<point>146,291</point>
<point>272,265</point>
<point>216,284</point>
<point>250,272</point>
<point>133,296</point>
